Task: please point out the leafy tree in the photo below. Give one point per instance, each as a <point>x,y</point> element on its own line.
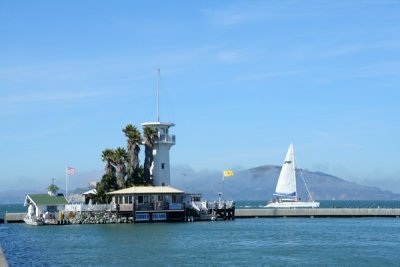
<point>136,179</point>
<point>107,184</point>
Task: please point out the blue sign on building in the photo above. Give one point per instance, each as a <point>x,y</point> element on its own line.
<point>159,216</point>
<point>175,206</point>
<point>142,217</point>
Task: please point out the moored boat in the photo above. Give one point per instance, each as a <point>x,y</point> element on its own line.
<point>33,220</point>
<point>286,189</point>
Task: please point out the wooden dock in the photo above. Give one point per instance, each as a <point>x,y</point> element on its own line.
<point>14,218</point>
<point>317,213</point>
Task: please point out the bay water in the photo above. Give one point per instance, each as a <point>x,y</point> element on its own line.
<point>242,242</point>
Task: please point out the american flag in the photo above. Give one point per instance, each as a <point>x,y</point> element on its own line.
<point>71,170</point>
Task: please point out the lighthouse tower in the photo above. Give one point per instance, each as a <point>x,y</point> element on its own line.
<point>163,142</point>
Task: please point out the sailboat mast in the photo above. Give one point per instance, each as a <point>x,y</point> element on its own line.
<point>294,171</point>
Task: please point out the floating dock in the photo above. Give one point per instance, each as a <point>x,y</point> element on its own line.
<point>317,213</point>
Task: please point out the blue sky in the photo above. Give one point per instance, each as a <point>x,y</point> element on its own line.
<point>241,80</point>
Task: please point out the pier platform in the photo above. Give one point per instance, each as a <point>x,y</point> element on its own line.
<point>282,213</point>
<point>317,213</point>
<point>14,218</point>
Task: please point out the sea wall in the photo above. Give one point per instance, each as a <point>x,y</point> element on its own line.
<point>317,212</point>
<point>95,217</point>
<point>92,217</point>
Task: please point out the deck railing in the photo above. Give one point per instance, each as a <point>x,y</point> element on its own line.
<point>166,138</point>
<point>84,207</point>
<point>157,205</point>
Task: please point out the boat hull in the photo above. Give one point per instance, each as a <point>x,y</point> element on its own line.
<point>293,205</point>
<point>33,222</point>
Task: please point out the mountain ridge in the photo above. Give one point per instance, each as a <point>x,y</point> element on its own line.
<point>259,184</point>
<point>256,183</point>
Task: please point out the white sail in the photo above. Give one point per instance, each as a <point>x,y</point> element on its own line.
<point>286,185</point>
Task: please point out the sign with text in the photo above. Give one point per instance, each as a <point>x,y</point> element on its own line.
<point>159,216</point>
<point>142,217</point>
<point>175,206</point>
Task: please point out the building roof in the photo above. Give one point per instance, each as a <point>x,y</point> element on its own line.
<point>45,199</point>
<point>90,192</point>
<point>157,123</point>
<point>146,190</point>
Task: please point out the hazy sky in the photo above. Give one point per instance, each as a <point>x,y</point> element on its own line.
<point>241,80</point>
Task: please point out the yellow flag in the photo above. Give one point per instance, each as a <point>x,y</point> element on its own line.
<point>228,173</point>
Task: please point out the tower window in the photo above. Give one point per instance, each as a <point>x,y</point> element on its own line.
<point>162,166</point>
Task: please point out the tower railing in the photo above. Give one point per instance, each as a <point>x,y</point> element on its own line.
<point>166,138</point>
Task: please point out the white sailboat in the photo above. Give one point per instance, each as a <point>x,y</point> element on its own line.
<point>286,191</point>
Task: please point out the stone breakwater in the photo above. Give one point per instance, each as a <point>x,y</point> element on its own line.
<point>94,217</point>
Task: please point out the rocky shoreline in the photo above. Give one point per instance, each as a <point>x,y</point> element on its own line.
<point>95,217</point>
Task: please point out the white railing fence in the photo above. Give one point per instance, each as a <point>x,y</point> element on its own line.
<point>84,207</point>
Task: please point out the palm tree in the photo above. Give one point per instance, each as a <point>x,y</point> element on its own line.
<point>149,136</point>
<point>108,156</point>
<point>120,157</point>
<point>134,141</point>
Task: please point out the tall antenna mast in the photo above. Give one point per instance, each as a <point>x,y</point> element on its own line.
<point>158,94</point>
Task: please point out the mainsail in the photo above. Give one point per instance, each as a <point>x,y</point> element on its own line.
<point>286,186</point>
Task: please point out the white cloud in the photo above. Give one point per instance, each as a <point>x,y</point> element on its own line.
<point>229,56</point>
<point>49,96</point>
<point>230,16</point>
<point>33,135</point>
<point>353,48</point>
<point>265,75</point>
<point>254,12</point>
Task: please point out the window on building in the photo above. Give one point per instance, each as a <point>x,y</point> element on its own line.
<point>162,166</point>
<point>146,199</point>
<point>51,208</point>
<point>130,199</point>
<point>126,199</point>
<point>140,199</point>
<point>160,198</point>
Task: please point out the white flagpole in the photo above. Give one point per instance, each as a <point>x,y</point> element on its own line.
<point>66,181</point>
<point>223,181</point>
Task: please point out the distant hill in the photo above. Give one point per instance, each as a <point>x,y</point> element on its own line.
<point>12,196</point>
<point>252,184</point>
<point>259,184</point>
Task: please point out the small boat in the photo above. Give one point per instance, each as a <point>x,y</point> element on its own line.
<point>286,190</point>
<point>33,220</point>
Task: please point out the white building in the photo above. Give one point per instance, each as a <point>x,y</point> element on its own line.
<point>163,143</point>
<point>41,204</point>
